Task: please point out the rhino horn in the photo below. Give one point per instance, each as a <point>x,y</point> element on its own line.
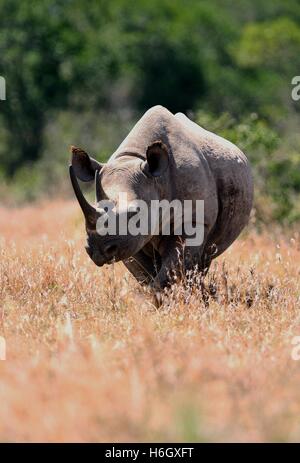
<point>89,212</point>
<point>99,190</point>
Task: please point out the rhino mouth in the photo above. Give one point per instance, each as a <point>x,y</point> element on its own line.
<point>100,258</point>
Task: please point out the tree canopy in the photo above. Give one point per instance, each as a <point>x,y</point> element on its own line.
<point>73,60</point>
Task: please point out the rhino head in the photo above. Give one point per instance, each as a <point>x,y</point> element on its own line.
<point>136,175</point>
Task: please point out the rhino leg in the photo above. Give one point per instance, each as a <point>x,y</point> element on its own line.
<point>172,263</point>
<point>198,258</point>
<point>142,267</point>
<point>177,259</point>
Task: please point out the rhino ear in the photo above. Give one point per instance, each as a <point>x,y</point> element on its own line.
<point>84,166</point>
<point>157,159</point>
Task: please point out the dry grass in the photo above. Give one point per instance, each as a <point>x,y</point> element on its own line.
<point>90,359</point>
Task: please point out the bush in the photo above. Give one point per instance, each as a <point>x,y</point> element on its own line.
<point>276,170</point>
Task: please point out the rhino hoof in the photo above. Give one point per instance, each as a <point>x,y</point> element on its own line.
<point>158,299</point>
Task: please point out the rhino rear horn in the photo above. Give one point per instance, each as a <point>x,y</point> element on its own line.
<point>99,190</point>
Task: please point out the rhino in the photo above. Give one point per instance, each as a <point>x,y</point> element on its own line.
<point>167,157</point>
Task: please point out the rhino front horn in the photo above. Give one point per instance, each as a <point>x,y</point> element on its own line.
<point>90,213</point>
<point>99,191</point>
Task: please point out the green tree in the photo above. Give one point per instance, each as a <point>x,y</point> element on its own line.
<point>48,51</point>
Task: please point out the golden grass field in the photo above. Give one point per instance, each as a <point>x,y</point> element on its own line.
<point>89,357</point>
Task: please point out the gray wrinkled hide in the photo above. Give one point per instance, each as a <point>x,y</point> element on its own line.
<point>202,166</point>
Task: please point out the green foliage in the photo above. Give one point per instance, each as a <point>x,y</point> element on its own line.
<point>82,73</point>
<point>276,172</point>
<point>32,55</point>
<point>270,45</point>
<point>250,133</point>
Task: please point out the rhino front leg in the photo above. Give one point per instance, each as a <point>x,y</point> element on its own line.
<point>171,251</point>
<point>142,267</point>
<point>176,260</point>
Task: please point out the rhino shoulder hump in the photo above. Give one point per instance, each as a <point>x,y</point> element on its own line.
<point>158,112</point>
